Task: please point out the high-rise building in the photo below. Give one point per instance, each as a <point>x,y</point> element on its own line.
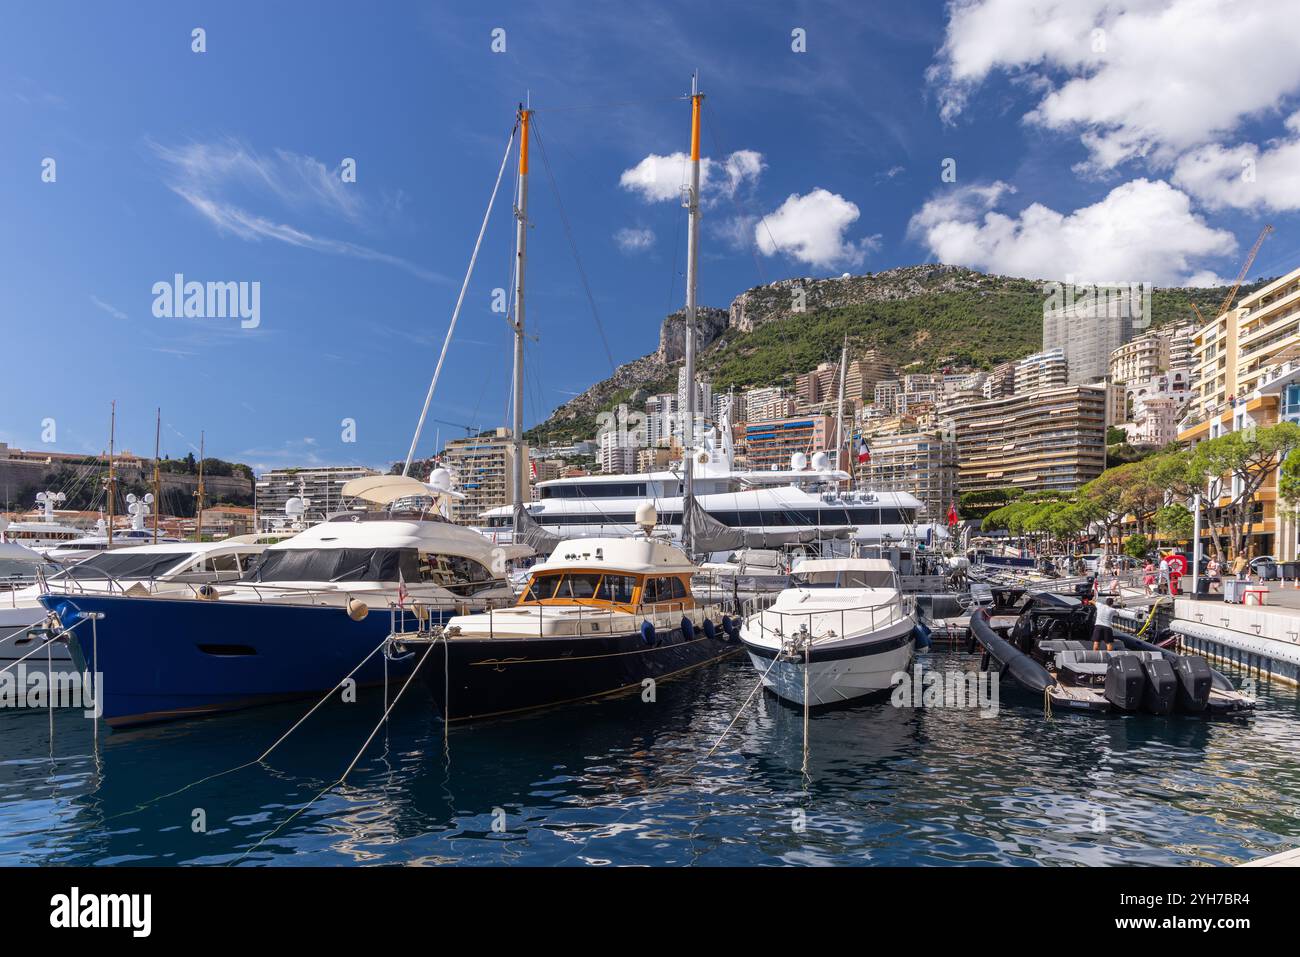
<point>1089,330</point>
<point>1000,382</point>
<point>484,468</point>
<point>617,453</point>
<point>886,395</point>
<point>762,405</point>
<point>1143,357</point>
<point>1049,440</point>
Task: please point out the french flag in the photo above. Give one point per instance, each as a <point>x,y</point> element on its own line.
<point>864,451</point>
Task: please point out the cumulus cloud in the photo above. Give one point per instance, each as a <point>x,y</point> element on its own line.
<point>634,240</point>
<point>1142,231</point>
<point>658,179</point>
<point>220,180</point>
<point>1245,176</point>
<point>1134,77</point>
<point>811,228</point>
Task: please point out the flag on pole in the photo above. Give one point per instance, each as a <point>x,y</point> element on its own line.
<point>864,451</point>
<point>952,514</point>
<point>532,467</point>
<point>401,590</point>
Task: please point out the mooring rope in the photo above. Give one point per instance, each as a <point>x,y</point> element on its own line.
<point>384,718</point>
<point>260,758</point>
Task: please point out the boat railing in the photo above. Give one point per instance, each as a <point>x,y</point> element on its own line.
<point>577,619</point>
<point>790,623</point>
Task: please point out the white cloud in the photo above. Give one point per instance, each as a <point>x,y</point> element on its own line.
<point>634,240</point>
<point>208,175</point>
<point>1142,231</point>
<point>657,179</point>
<point>1160,77</point>
<point>1246,177</point>
<point>108,308</point>
<point>811,229</point>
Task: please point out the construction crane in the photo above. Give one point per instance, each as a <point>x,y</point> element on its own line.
<point>1245,268</point>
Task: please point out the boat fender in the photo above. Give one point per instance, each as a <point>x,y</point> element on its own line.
<point>357,609</point>
<point>710,631</point>
<point>731,626</point>
<point>648,631</point>
<point>688,629</point>
<point>207,593</point>
<point>922,635</point>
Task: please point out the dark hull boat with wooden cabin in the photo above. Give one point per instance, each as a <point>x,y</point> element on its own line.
<point>600,616</point>
<point>1048,650</point>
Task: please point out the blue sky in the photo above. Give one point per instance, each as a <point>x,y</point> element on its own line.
<point>1115,155</point>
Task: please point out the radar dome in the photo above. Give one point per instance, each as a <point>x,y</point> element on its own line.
<point>821,461</point>
<point>798,462</point>
<point>440,480</point>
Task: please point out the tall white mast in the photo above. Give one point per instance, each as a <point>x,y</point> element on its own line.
<point>521,242</point>
<point>692,204</point>
<point>839,410</point>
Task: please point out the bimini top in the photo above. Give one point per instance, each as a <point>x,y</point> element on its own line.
<point>361,530</point>
<point>636,556</point>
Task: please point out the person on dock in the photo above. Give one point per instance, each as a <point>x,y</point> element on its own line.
<point>1213,569</point>
<point>1241,567</point>
<point>1149,577</point>
<point>1102,628</point>
<point>1162,583</point>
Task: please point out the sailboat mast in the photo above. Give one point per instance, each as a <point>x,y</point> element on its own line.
<point>521,244</point>
<point>112,435</point>
<point>157,476</point>
<point>693,254</point>
<point>198,494</point>
<point>839,409</point>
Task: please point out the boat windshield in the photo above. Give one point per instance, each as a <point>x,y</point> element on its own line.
<point>22,569</point>
<point>844,578</point>
<point>335,565</point>
<point>120,565</point>
<point>579,586</point>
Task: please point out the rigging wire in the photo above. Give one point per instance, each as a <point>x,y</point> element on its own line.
<point>568,232</point>
<point>460,300</point>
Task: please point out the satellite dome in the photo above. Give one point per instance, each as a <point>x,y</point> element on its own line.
<point>821,461</point>
<point>440,480</point>
<point>798,462</point>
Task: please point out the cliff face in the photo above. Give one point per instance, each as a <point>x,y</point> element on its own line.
<point>778,300</point>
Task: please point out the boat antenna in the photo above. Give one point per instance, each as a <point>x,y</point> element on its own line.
<point>691,201</point>
<point>110,486</point>
<point>198,495</point>
<point>521,245</point>
<point>157,476</point>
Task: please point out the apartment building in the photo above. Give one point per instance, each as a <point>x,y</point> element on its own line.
<point>1143,357</point>
<point>762,405</point>
<point>1247,368</point>
<point>770,444</point>
<point>322,486</point>
<point>886,395</point>
<point>1043,370</point>
<point>484,467</point>
<point>921,463</point>
<point>1052,439</point>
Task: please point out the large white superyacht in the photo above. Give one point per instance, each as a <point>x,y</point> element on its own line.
<point>805,503</point>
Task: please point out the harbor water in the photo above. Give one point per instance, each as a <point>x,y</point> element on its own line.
<point>627,782</point>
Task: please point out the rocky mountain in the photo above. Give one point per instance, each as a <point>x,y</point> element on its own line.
<point>921,317</point>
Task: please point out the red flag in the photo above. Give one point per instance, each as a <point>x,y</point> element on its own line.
<point>952,514</point>
<point>864,451</point>
<point>401,590</point>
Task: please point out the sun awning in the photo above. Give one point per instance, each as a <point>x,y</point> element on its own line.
<point>385,489</point>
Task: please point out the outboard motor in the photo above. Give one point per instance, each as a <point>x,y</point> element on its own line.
<point>1161,686</point>
<point>1195,679</point>
<point>1125,681</point>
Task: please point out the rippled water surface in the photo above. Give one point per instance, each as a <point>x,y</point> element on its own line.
<point>628,782</point>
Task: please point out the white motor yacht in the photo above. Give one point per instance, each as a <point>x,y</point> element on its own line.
<point>841,631</point>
